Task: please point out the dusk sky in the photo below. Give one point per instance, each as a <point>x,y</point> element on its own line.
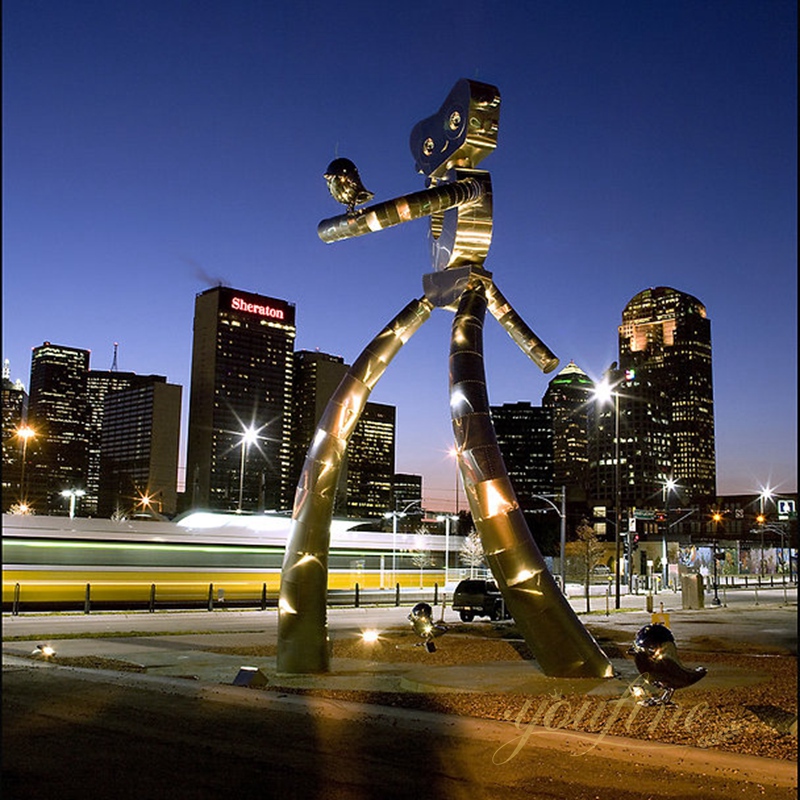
<point>154,148</point>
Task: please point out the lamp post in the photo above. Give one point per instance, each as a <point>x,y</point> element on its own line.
<point>766,494</point>
<point>717,517</point>
<point>455,454</point>
<point>447,519</point>
<point>395,515</point>
<point>605,392</point>
<point>25,433</point>
<point>73,494</point>
<point>669,486</point>
<point>249,436</point>
<point>562,513</point>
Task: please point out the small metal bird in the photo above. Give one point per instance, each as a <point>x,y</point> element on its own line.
<point>657,660</point>
<point>344,184</point>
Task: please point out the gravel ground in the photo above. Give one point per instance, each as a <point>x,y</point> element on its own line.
<point>759,719</point>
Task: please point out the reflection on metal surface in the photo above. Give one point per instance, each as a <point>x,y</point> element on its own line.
<point>558,640</point>
<point>402,209</point>
<point>447,148</point>
<point>302,616</point>
<point>421,618</point>
<point>656,658</point>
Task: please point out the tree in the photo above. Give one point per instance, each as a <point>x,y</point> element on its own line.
<point>590,551</point>
<point>421,559</point>
<point>472,552</point>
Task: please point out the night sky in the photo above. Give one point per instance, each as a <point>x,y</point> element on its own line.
<point>152,149</point>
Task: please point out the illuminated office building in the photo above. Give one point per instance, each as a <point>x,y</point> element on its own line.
<point>58,412</point>
<point>242,364</point>
<point>15,407</point>
<point>316,376</point>
<point>525,437</point>
<point>638,412</point>
<point>99,385</point>
<point>370,462</point>
<point>665,343</point>
<point>139,448</point>
<point>569,396</point>
<point>366,478</point>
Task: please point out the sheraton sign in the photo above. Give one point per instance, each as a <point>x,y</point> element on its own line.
<point>240,304</point>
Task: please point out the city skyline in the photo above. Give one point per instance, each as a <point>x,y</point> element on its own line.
<point>151,156</point>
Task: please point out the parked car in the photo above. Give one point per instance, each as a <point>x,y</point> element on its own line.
<point>479,598</point>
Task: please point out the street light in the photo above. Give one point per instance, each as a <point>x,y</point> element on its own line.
<point>24,433</point>
<point>447,519</point>
<point>455,453</point>
<point>249,436</point>
<point>670,485</point>
<point>604,392</point>
<point>766,494</point>
<point>395,515</point>
<point>73,494</point>
<point>717,517</point>
<point>562,513</point>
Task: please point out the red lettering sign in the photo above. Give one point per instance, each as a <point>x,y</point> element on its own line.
<point>239,304</point>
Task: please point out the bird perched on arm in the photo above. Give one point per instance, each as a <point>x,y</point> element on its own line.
<point>344,184</point>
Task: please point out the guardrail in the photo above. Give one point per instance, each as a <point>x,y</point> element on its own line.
<point>214,599</point>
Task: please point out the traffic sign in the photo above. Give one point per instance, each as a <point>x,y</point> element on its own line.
<point>786,509</point>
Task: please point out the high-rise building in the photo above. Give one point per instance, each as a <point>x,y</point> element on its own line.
<point>316,377</point>
<point>240,404</point>
<point>99,384</point>
<point>407,489</point>
<point>58,413</point>
<point>368,465</point>
<point>569,396</point>
<point>139,448</point>
<point>525,438</point>
<point>15,408</point>
<point>665,342</point>
<point>630,428</point>
<point>370,462</point>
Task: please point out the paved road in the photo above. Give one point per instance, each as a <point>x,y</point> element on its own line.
<point>90,733</point>
<point>85,734</point>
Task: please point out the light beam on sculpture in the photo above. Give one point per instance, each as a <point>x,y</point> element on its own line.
<point>447,147</point>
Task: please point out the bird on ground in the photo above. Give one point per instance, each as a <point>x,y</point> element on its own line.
<point>344,184</point>
<point>656,658</point>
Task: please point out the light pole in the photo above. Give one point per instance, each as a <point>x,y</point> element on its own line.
<point>24,433</point>
<point>605,392</point>
<point>455,454</point>
<point>447,519</point>
<point>73,494</point>
<point>562,513</point>
<point>249,436</point>
<point>395,515</point>
<point>717,517</point>
<point>766,494</point>
<point>669,486</point>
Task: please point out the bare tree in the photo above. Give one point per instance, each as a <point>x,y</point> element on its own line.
<point>472,552</point>
<point>589,551</point>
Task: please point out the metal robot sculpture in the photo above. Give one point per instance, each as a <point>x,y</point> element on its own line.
<point>656,658</point>
<point>447,147</point>
<point>421,619</point>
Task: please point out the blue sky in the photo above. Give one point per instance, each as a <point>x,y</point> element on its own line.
<point>152,149</point>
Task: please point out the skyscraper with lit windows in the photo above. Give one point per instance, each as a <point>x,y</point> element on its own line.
<point>240,403</point>
<point>58,412</point>
<point>665,345</point>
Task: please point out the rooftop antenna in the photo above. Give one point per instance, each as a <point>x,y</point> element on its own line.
<point>114,367</point>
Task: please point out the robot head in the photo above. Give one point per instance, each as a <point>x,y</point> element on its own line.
<point>461,134</point>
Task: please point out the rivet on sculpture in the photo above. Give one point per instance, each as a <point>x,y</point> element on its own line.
<point>447,148</point>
